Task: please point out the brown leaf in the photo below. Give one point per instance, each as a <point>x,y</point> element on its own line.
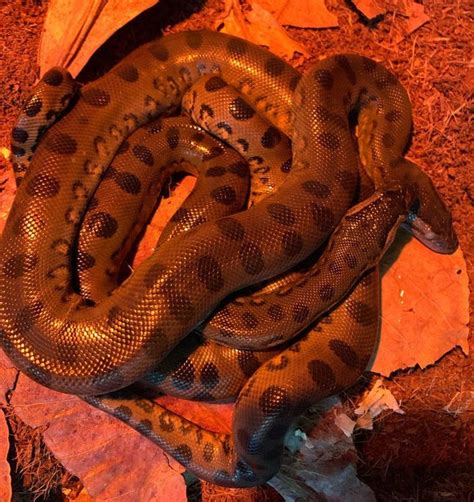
<point>5,480</point>
<point>301,13</point>
<point>425,307</point>
<point>259,26</point>
<point>415,13</point>
<point>371,9</point>
<point>112,460</point>
<point>75,29</point>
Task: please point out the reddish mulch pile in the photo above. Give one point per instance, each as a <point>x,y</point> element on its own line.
<point>426,454</point>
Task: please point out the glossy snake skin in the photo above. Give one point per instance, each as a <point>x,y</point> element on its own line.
<point>108,337</point>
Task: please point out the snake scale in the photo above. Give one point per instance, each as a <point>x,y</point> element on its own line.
<point>66,323</point>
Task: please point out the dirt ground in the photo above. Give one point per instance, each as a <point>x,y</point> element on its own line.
<point>426,454</point>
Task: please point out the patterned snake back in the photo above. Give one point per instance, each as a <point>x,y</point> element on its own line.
<point>102,341</point>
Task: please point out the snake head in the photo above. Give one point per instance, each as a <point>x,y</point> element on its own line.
<point>428,218</point>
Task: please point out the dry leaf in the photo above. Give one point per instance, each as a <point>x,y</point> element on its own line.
<point>259,26</point>
<point>5,480</point>
<point>75,29</point>
<point>415,12</point>
<point>301,13</point>
<point>320,463</point>
<point>112,460</point>
<point>369,8</point>
<point>425,306</point>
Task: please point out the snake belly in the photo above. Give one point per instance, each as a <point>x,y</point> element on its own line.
<point>64,342</point>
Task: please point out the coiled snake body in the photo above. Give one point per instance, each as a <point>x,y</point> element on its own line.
<point>102,341</point>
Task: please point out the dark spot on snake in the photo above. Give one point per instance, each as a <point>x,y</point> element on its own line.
<point>19,135</point>
<point>198,137</point>
<point>239,168</point>
<point>251,258</point>
<point>329,141</point>
<point>127,72</point>
<point>369,65</point>
<point>215,151</point>
<point>102,224</point>
<point>335,267</point>
<point>347,179</point>
<point>294,82</point>
<point>182,214</point>
<point>275,312</point>
<point>61,143</point>
<point>53,77</point>
<point>172,137</point>
<point>322,375</point>
<point>194,39</point>
<point>316,188</point>
<point>208,452</point>
<point>214,84</point>
<point>231,228</point>
<point>286,166</point>
<point>18,151</point>
<point>236,47</point>
<point>206,110</point>
<point>343,62</point>
<point>300,312</point>
<point>323,217</point>
<point>180,307</point>
<point>143,154</point>
<point>274,66</point>
<point>275,401</point>
<point>291,243</point>
<point>159,51</point>
<point>61,246</point>
<point>326,292</point>
<point>85,260</point>
<point>393,116</point>
<point>388,140</point>
<point>244,144</point>
<point>209,375</point>
<point>278,363</point>
<point>43,186</point>
<point>215,171</point>
<point>324,78</point>
<point>240,109</point>
<point>96,97</point>
<point>33,106</point>
<point>145,427</point>
<point>166,423</point>
<point>249,320</point>
<point>345,353</point>
<point>123,412</point>
<point>128,182</point>
<point>271,137</point>
<point>224,195</point>
<point>50,115</point>
<point>248,362</point>
<point>351,260</point>
<point>362,313</point>
<point>225,126</point>
<point>183,454</point>
<point>210,273</point>
<point>282,214</point>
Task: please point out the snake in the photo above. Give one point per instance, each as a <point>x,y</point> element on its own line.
<point>171,324</point>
